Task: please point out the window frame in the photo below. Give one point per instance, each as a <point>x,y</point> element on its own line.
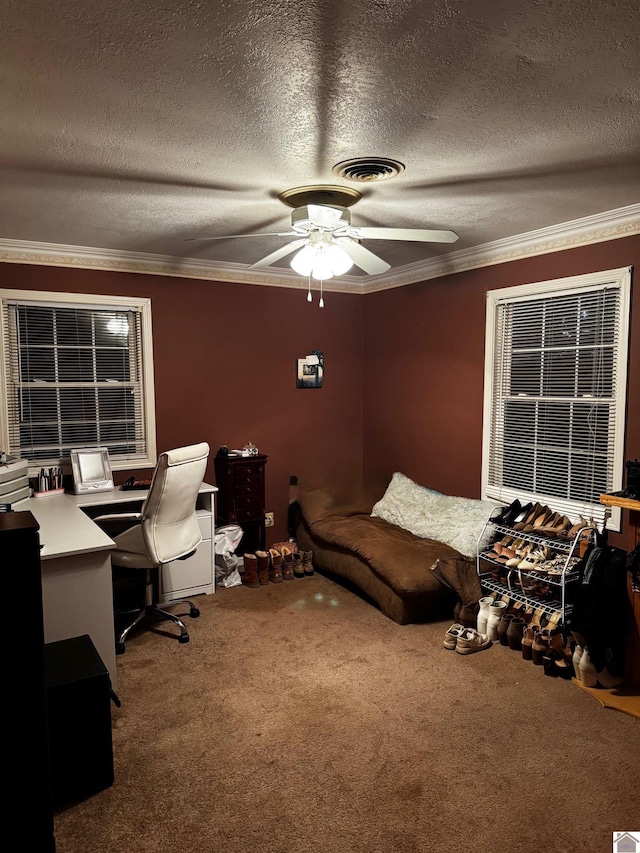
<point>619,278</point>
<point>96,302</point>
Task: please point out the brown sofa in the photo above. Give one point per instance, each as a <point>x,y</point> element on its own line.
<point>410,579</point>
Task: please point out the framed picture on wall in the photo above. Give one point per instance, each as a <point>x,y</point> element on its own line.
<point>310,371</point>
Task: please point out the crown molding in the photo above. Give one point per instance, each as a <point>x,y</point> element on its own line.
<point>610,225</point>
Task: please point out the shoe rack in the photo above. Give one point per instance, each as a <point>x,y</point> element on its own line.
<point>543,577</point>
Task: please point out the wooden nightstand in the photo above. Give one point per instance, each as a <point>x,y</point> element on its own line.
<point>241,498</point>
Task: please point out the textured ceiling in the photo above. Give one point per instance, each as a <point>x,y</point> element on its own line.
<point>133,125</point>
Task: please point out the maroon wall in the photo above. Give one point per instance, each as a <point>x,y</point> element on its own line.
<point>225,358</point>
<point>225,368</point>
<point>424,368</point>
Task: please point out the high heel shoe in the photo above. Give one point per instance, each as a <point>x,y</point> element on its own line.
<point>557,668</point>
<point>509,513</point>
<point>520,552</point>
<point>541,519</point>
<point>533,512</point>
<point>606,679</point>
<point>535,558</point>
<point>573,531</point>
<point>587,671</point>
<point>559,528</point>
<point>540,645</point>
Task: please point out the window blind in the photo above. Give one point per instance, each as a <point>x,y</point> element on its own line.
<point>74,377</point>
<point>557,398</point>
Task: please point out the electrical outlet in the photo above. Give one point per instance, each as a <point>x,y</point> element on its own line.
<point>269,519</point>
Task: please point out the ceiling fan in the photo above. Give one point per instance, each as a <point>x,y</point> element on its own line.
<point>327,244</point>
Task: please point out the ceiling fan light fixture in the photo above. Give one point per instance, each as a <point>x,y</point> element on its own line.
<point>302,261</point>
<point>340,261</point>
<point>321,261</point>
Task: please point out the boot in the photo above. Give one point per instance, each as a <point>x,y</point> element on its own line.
<point>575,659</point>
<point>496,609</point>
<point>515,633</point>
<point>298,571</point>
<point>527,641</point>
<point>287,564</point>
<point>557,648</point>
<point>587,671</point>
<point>307,565</point>
<point>503,627</point>
<point>250,572</point>
<point>275,566</point>
<point>483,614</point>
<point>263,567</point>
<point>540,645</point>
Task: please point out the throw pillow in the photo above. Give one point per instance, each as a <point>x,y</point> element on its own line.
<point>457,522</point>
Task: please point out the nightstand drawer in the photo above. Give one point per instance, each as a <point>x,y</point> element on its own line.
<point>249,488</point>
<point>247,470</point>
<point>248,514</point>
<point>247,481</point>
<point>247,502</point>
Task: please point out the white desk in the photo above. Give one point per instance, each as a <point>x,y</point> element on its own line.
<point>183,578</point>
<point>77,591</point>
<point>77,595</point>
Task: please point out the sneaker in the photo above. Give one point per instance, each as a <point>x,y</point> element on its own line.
<point>451,635</point>
<point>471,641</point>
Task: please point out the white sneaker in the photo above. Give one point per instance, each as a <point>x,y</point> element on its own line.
<point>471,641</point>
<point>451,635</point>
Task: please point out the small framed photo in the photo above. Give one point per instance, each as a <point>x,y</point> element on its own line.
<point>310,371</point>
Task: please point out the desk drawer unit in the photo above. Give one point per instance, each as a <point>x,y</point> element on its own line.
<point>241,497</point>
<point>192,576</point>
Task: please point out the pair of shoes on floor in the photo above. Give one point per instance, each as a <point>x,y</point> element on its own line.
<point>587,674</point>
<point>465,640</point>
<point>295,563</point>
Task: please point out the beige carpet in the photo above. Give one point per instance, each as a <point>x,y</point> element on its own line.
<point>300,719</point>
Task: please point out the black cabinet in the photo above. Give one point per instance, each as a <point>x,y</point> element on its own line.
<point>241,498</point>
<point>27,798</point>
<point>79,715</point>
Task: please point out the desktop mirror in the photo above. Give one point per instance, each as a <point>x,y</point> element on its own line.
<point>91,470</point>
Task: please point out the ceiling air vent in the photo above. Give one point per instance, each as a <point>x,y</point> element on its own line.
<point>368,169</point>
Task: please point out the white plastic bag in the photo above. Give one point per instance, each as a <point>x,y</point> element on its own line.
<point>226,540</point>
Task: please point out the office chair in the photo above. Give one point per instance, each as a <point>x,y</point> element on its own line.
<point>168,530</point>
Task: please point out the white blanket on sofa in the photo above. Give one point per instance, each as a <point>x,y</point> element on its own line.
<point>457,522</point>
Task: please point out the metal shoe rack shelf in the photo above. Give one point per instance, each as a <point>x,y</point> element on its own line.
<point>567,548</point>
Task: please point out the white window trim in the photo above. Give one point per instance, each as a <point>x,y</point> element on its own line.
<point>141,304</point>
<point>621,278</point>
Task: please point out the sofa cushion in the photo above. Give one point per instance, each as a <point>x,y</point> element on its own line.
<point>455,521</point>
<point>393,553</point>
<point>321,503</point>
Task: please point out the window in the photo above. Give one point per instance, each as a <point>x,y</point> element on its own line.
<point>76,372</point>
<point>555,391</point>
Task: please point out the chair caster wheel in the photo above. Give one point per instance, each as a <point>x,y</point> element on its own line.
<point>183,638</point>
<point>119,648</point>
<point>194,613</point>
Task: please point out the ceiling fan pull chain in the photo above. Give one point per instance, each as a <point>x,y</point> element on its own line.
<point>309,297</point>
<point>321,303</point>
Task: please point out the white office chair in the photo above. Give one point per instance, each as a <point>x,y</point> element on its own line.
<point>167,530</point>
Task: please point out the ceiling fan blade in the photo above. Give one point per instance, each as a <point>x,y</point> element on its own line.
<point>362,257</point>
<point>419,235</point>
<point>323,216</point>
<point>282,252</point>
<point>235,236</point>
